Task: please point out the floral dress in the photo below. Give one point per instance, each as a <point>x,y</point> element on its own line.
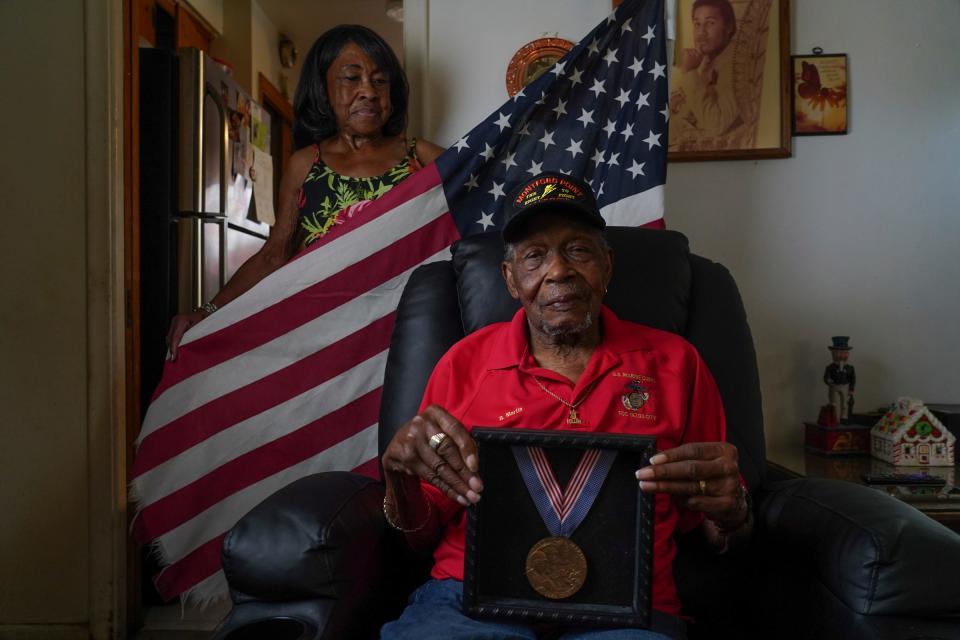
<point>326,198</point>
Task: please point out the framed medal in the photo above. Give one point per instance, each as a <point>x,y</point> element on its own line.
<point>532,60</point>
<point>563,534</point>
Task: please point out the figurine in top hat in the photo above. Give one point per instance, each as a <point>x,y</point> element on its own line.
<point>841,378</point>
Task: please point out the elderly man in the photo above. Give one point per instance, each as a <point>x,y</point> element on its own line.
<point>564,362</point>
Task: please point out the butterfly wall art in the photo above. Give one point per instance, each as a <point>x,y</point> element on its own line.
<point>820,94</point>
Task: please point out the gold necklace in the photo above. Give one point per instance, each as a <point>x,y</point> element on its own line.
<point>573,418</point>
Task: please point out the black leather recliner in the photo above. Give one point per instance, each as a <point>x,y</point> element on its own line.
<point>829,559</point>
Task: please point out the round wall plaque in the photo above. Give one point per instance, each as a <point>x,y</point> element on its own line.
<point>532,59</point>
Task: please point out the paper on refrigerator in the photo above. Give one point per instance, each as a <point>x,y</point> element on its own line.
<point>262,175</point>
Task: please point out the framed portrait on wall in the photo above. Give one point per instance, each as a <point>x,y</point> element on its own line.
<point>731,80</point>
<point>820,94</point>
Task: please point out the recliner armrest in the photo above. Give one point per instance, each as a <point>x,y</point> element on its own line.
<point>320,536</point>
<point>878,555</point>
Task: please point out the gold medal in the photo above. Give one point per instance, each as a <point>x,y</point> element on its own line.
<point>556,568</point>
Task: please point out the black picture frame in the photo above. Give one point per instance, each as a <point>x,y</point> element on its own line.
<point>616,536</point>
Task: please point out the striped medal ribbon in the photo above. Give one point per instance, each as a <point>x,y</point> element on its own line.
<point>556,567</point>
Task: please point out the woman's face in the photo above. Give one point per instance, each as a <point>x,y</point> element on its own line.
<point>359,92</point>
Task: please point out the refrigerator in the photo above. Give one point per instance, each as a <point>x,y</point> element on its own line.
<point>196,128</point>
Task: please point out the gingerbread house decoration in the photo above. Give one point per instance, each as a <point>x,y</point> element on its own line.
<point>909,434</point>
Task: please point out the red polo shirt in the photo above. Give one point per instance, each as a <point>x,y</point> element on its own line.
<point>486,379</point>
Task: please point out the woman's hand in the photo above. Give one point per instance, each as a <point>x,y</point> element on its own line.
<point>703,476</point>
<point>436,448</point>
<point>178,327</point>
<point>272,255</point>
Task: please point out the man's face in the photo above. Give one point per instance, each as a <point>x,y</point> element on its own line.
<point>839,357</point>
<point>559,272</point>
<point>711,33</point>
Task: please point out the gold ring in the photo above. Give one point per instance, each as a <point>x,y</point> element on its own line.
<point>436,440</point>
<point>703,487</point>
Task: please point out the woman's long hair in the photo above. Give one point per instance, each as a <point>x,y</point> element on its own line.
<point>314,119</point>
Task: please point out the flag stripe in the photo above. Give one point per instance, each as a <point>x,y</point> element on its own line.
<point>256,364</point>
<point>201,563</point>
<point>209,589</point>
<point>370,468</point>
<point>345,455</point>
<point>201,567</point>
<point>250,434</point>
<point>164,514</point>
<point>304,306</point>
<point>302,385</point>
<point>638,209</point>
<point>353,243</point>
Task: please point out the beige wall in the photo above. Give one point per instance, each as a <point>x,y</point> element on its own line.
<point>233,44</point>
<point>43,457</point>
<point>264,49</point>
<point>211,11</point>
<point>249,42</point>
<point>61,484</point>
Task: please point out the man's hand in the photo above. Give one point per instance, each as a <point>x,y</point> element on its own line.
<point>690,59</point>
<point>703,476</point>
<point>451,466</point>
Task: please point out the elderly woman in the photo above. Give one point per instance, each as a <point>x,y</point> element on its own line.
<point>351,113</point>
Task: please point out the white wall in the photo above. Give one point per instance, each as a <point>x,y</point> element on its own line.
<point>856,234</point>
<point>468,45</point>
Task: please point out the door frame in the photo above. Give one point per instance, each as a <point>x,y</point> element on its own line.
<point>106,317</point>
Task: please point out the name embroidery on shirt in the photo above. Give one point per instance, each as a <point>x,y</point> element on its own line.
<point>510,414</point>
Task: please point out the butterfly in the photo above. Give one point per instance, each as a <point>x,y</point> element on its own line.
<point>814,92</point>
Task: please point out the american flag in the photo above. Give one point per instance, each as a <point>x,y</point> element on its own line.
<point>285,381</point>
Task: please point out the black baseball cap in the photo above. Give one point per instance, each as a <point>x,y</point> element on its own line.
<point>550,190</point>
